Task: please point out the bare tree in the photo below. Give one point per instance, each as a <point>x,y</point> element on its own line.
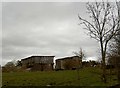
<point>118,43</point>
<point>114,49</point>
<point>80,54</point>
<point>18,63</point>
<point>10,64</point>
<point>102,26</point>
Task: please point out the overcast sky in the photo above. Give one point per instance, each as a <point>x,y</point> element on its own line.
<point>44,28</point>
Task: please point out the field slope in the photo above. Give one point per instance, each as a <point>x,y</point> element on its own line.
<point>88,77</point>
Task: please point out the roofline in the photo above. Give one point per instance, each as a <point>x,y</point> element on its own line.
<point>66,58</point>
<point>35,56</point>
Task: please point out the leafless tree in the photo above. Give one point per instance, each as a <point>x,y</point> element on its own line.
<point>114,49</point>
<point>102,26</point>
<point>80,54</point>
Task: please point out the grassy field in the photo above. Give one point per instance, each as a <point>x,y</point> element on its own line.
<point>88,77</point>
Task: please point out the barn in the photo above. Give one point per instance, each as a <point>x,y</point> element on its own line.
<point>68,63</point>
<point>38,63</point>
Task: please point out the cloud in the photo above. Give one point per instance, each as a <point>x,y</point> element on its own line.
<point>44,29</point>
<point>0,33</point>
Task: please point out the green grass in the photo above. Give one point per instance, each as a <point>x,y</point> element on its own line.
<point>88,77</point>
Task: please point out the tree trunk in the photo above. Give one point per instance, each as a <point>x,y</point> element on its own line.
<point>104,79</point>
<point>118,75</point>
<point>118,69</point>
<point>103,52</point>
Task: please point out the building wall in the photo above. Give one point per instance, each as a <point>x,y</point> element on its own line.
<point>38,63</point>
<point>42,67</point>
<point>58,64</point>
<point>68,63</point>
<point>43,59</point>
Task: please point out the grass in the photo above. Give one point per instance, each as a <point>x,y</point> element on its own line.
<point>88,77</point>
<point>0,78</point>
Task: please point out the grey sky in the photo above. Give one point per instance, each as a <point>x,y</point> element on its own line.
<point>44,28</point>
<point>0,33</point>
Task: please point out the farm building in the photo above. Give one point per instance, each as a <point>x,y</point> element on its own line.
<point>68,63</point>
<point>40,63</point>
